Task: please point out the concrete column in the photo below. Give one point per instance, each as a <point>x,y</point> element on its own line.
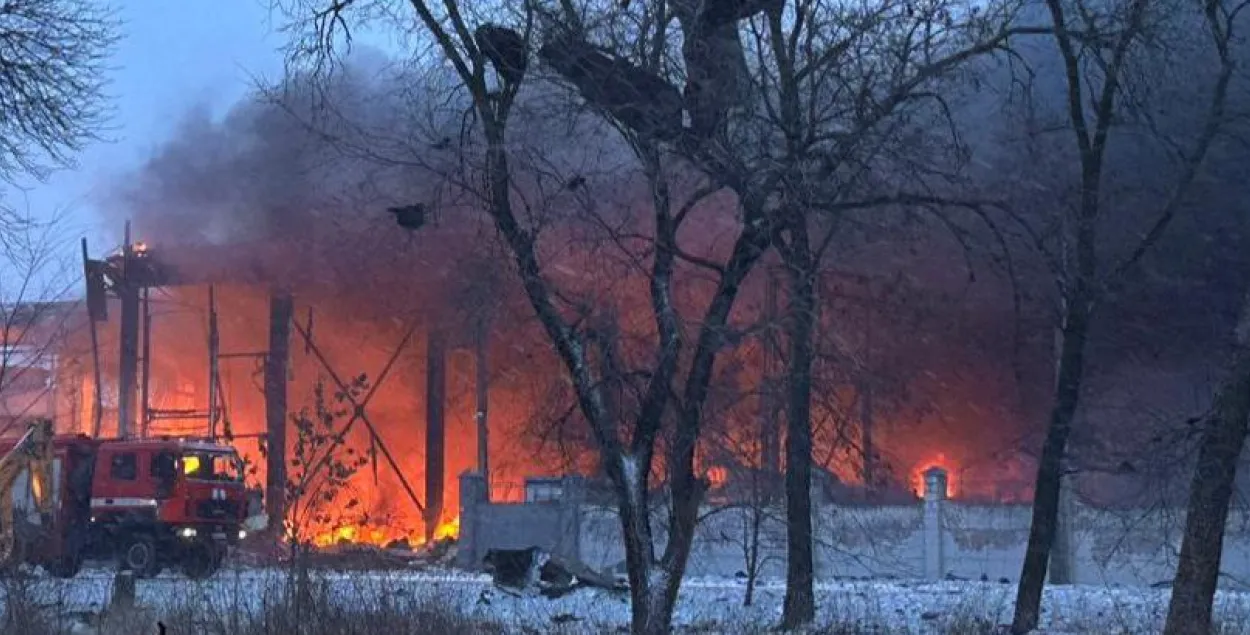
<point>473,493</point>
<point>935,479</point>
<point>573,495</point>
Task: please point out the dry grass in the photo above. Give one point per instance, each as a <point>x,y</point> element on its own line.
<point>359,604</point>
<point>283,609</point>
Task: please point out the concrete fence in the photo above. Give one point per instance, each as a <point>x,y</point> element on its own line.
<point>932,539</point>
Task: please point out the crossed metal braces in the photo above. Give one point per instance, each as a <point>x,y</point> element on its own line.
<point>358,407</point>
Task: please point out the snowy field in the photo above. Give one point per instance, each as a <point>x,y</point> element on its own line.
<point>706,606</point>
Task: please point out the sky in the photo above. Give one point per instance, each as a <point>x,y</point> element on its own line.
<point>174,55</point>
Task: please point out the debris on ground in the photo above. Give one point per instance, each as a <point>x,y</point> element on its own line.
<point>355,556</point>
<point>534,571</point>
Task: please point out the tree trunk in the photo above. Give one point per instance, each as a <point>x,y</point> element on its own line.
<point>1050,470</point>
<point>1223,437</point>
<point>653,586</point>
<point>752,535</point>
<point>639,563</point>
<point>800,601</point>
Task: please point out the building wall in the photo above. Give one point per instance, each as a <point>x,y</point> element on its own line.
<point>42,366</point>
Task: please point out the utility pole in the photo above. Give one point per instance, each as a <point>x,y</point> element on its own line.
<point>214,344</point>
<point>435,431</point>
<point>482,370</point>
<point>277,359</point>
<point>97,310</point>
<point>770,442</point>
<point>145,416</point>
<point>128,290</point>
<point>866,413</point>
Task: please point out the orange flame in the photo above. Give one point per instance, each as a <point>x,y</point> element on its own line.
<point>383,536</point>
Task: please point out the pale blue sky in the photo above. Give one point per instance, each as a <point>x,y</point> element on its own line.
<point>175,54</point>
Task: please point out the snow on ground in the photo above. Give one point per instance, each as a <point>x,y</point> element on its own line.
<point>707,605</point>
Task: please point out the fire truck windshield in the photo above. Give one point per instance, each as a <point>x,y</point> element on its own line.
<point>212,466</point>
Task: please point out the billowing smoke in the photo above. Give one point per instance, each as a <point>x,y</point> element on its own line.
<point>292,189</point>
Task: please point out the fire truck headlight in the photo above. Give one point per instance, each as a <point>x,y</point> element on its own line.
<point>187,532</point>
<point>242,534</point>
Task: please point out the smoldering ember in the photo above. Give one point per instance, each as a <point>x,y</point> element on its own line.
<point>647,316</point>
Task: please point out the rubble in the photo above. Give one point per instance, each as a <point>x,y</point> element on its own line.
<point>533,571</point>
<point>347,555</point>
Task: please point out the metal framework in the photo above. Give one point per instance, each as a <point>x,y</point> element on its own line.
<point>359,412</point>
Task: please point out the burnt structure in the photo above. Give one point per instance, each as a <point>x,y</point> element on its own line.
<point>129,276</point>
<point>435,427</point>
<point>277,361</point>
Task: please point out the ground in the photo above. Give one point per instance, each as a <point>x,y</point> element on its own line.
<point>707,605</point>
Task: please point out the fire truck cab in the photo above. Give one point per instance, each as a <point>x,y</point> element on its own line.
<point>146,504</point>
<point>167,502</point>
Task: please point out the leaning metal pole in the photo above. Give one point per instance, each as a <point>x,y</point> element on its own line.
<point>97,402</point>
<point>213,345</point>
<point>128,365</point>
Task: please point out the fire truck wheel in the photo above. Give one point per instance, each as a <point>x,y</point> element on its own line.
<point>202,560</point>
<point>137,553</point>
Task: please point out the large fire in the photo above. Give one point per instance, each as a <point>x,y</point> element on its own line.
<point>355,329</point>
<point>384,536</point>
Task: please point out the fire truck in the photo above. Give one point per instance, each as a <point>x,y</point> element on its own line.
<point>146,504</point>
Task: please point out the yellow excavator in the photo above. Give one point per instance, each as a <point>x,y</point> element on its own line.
<point>33,453</point>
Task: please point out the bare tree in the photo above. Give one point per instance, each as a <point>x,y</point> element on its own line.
<point>1211,493</point>
<point>852,96</point>
<point>489,63</point>
<point>1105,51</point>
<point>820,114</point>
<point>322,468</point>
<point>53,56</point>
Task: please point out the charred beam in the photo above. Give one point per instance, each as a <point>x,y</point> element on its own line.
<point>277,360</point>
<point>481,367</point>
<point>128,362</point>
<point>435,428</point>
<point>358,407</point>
<point>410,217</point>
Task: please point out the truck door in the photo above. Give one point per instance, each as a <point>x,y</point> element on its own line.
<point>118,487</point>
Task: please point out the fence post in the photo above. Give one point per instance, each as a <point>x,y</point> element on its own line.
<point>474,492</point>
<point>573,494</point>
<point>934,543</point>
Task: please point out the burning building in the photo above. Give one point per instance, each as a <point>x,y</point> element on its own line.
<point>255,209</point>
<point>230,342</point>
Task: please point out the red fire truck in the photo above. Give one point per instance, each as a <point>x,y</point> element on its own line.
<point>146,504</point>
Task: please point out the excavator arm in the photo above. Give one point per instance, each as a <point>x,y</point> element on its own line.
<point>33,452</point>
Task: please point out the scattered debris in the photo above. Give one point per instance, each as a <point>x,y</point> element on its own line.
<point>533,571</point>
<point>564,618</point>
<point>353,556</point>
